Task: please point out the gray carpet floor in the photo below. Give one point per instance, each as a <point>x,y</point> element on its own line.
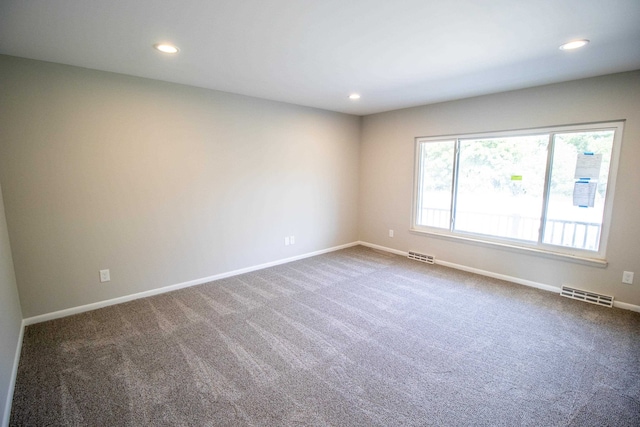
<point>351,338</point>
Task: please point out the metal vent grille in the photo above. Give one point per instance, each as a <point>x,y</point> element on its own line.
<point>585,296</point>
<point>429,259</point>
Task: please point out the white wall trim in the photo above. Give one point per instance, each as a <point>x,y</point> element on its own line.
<point>131,297</point>
<point>471,269</point>
<point>384,248</point>
<point>543,286</point>
<point>512,279</point>
<point>12,382</point>
<point>626,306</point>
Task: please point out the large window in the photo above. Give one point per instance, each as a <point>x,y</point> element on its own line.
<point>546,189</point>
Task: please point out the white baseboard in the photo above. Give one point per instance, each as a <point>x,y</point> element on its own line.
<point>543,286</point>
<point>384,248</point>
<point>626,306</point>
<point>512,279</point>
<point>471,269</point>
<point>14,375</point>
<point>131,297</point>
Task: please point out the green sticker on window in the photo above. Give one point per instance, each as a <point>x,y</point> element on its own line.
<point>516,177</point>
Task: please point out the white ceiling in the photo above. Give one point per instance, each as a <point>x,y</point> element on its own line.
<point>396,53</point>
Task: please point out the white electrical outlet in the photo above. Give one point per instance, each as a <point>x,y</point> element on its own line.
<point>287,241</point>
<point>105,276</point>
<point>627,277</point>
<point>390,233</point>
<point>292,239</point>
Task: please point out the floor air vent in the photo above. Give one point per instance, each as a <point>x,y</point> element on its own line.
<point>429,259</point>
<point>585,296</point>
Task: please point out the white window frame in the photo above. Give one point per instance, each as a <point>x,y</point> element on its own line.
<point>540,248</point>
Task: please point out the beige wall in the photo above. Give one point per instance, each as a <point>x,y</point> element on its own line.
<point>161,183</point>
<point>10,316</point>
<point>386,176</point>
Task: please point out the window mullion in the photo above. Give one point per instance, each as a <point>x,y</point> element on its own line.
<point>547,187</point>
<point>420,149</point>
<point>454,184</point>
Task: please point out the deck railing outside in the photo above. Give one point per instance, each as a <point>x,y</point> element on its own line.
<point>575,234</point>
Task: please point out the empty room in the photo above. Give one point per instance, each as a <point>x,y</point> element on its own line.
<point>319,213</point>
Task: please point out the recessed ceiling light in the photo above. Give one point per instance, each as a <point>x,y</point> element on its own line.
<point>166,48</point>
<point>354,96</point>
<point>574,44</point>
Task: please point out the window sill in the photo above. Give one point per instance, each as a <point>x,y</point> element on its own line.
<point>593,262</point>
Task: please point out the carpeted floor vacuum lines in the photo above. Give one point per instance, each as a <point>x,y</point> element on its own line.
<point>350,338</point>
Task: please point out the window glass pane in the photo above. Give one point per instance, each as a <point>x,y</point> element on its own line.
<point>568,224</point>
<point>501,186</point>
<point>436,177</point>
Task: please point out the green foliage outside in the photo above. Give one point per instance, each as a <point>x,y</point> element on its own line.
<point>516,165</point>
